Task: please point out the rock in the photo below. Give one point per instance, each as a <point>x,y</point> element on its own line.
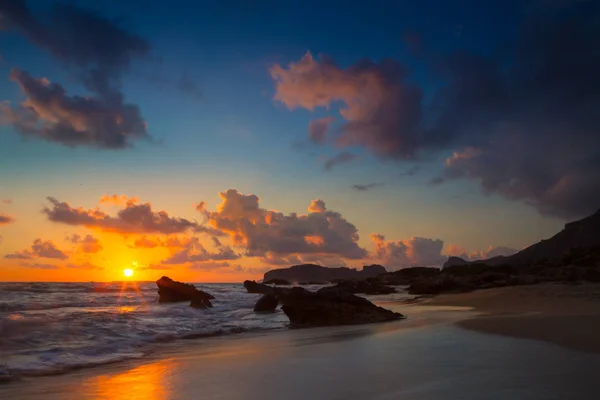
<point>333,306</point>
<point>454,261</point>
<point>441,284</point>
<point>364,287</point>
<point>267,303</point>
<point>277,282</point>
<point>170,291</point>
<point>260,288</point>
<point>318,273</point>
<point>591,275</point>
<point>406,276</point>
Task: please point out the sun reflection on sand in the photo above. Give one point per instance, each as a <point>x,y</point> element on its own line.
<point>146,382</point>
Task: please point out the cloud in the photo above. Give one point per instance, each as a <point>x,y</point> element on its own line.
<point>6,219</point>
<point>84,265</point>
<point>49,113</point>
<point>39,266</point>
<point>195,252</point>
<point>88,244</point>
<point>39,249</point>
<point>118,200</point>
<point>6,201</point>
<point>526,130</point>
<point>382,111</point>
<point>317,129</point>
<point>209,266</point>
<point>368,186</point>
<point>99,52</point>
<point>97,46</point>
<point>416,251</point>
<point>170,242</point>
<point>530,129</point>
<point>490,252</point>
<point>154,267</point>
<point>134,218</point>
<point>341,158</point>
<point>259,231</point>
<point>317,206</point>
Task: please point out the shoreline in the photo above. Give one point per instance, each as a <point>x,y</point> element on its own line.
<point>564,315</point>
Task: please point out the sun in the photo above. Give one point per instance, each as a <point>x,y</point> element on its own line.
<point>128,272</point>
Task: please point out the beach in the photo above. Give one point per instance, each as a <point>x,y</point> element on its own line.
<point>430,355</point>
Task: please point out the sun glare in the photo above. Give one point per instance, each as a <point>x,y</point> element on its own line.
<point>128,272</point>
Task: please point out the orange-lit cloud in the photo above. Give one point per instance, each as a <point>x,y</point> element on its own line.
<point>39,249</point>
<point>260,231</point>
<point>6,201</point>
<point>195,252</point>
<point>118,200</point>
<point>171,242</point>
<point>315,239</point>
<point>88,244</point>
<point>134,218</point>
<point>414,251</point>
<point>382,111</point>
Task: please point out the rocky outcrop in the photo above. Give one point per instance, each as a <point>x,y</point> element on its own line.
<point>406,276</point>
<point>170,291</point>
<point>317,273</point>
<point>267,303</point>
<point>362,287</point>
<point>454,261</point>
<point>277,282</point>
<point>329,307</point>
<point>259,288</point>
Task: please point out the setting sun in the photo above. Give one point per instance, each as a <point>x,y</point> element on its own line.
<point>128,272</point>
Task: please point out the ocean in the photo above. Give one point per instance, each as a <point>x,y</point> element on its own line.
<point>52,328</point>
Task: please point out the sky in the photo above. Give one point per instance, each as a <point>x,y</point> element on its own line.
<point>211,141</point>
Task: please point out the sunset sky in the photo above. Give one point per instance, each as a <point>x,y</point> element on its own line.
<point>214,140</point>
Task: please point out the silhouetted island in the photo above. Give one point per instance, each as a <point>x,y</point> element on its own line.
<point>318,274</point>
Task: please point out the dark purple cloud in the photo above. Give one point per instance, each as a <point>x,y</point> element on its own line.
<point>97,46</point>
<point>49,113</point>
<point>39,249</point>
<point>99,51</point>
<point>6,219</point>
<point>522,120</point>
<point>368,186</point>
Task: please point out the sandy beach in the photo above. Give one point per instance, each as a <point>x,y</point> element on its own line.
<point>566,315</point>
<point>428,356</point>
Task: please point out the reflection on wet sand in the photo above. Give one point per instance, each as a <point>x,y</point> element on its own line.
<point>147,382</point>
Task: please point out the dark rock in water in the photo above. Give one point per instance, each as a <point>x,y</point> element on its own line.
<point>364,287</point>
<point>277,282</point>
<point>318,273</point>
<point>267,303</point>
<point>260,288</point>
<point>332,307</point>
<point>170,291</point>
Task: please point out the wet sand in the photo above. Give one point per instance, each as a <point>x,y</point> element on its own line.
<point>426,356</point>
<point>566,315</point>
